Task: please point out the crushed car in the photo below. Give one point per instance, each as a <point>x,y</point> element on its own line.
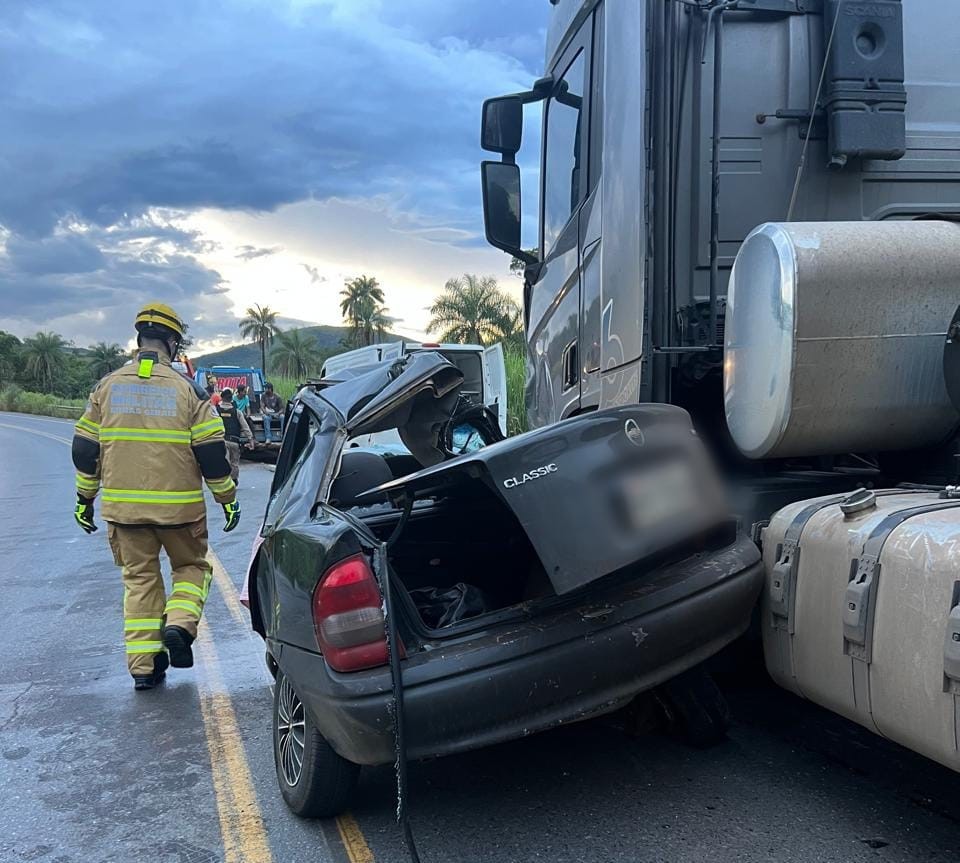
<point>537,580</point>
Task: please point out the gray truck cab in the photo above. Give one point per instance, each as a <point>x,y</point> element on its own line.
<point>671,130</point>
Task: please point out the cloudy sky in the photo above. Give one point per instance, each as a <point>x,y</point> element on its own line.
<point>217,153</point>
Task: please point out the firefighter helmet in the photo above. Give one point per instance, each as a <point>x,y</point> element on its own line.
<point>159,315</point>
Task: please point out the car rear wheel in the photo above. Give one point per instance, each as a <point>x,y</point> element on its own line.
<point>695,709</point>
<point>315,782</point>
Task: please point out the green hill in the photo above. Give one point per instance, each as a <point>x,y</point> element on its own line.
<point>329,341</point>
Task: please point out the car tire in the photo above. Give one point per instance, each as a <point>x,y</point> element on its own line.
<point>314,781</point>
<point>694,708</point>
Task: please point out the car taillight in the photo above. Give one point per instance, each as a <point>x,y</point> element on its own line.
<point>348,616</point>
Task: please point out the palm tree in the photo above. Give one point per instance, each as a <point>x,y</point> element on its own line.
<point>295,355</point>
<point>361,297</point>
<point>372,322</point>
<point>260,325</point>
<point>45,358</point>
<point>105,358</point>
<point>474,310</point>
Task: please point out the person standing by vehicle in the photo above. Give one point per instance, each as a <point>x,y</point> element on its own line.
<point>272,409</point>
<point>242,400</point>
<point>236,431</point>
<point>213,395</point>
<point>150,437</point>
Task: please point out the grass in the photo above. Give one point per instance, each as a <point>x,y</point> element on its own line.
<point>13,398</point>
<point>515,362</point>
<point>284,386</point>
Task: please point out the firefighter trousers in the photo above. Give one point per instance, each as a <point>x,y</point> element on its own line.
<point>146,607</point>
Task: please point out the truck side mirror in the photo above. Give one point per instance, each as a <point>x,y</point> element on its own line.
<point>502,126</point>
<point>501,207</point>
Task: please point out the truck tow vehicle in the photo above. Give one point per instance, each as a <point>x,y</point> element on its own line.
<point>749,208</point>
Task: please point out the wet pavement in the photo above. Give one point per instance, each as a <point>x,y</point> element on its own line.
<point>91,771</point>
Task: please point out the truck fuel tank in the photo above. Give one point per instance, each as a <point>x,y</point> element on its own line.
<point>834,337</point>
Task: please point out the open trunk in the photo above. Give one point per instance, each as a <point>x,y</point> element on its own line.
<point>461,558</point>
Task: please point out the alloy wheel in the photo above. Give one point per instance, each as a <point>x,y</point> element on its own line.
<point>290,730</point>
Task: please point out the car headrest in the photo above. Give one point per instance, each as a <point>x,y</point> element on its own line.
<point>359,471</point>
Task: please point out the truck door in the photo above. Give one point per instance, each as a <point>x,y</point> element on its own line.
<point>553,300</point>
<point>495,383</point>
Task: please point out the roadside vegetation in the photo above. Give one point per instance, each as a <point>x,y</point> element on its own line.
<point>45,374</point>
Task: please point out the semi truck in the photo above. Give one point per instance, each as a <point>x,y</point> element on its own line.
<point>749,208</point>
<point>816,143</point>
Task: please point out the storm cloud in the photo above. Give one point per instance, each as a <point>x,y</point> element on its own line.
<point>116,111</point>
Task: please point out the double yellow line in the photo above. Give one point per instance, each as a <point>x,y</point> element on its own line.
<point>241,823</point>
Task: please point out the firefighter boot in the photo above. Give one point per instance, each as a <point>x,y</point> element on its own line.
<point>148,681</point>
<point>177,641</point>
<point>137,551</point>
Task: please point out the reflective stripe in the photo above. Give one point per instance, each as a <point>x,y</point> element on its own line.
<point>142,624</point>
<point>150,435</point>
<point>126,495</point>
<point>86,484</point>
<point>144,646</point>
<point>221,486</point>
<point>188,587</point>
<point>184,605</point>
<point>206,429</point>
<point>88,426</point>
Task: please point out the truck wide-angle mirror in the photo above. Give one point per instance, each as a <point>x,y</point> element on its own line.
<point>501,207</point>
<point>502,125</point>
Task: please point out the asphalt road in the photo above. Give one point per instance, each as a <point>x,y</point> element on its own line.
<point>92,772</point>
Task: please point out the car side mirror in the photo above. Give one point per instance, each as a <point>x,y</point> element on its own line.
<point>501,207</point>
<point>502,125</point>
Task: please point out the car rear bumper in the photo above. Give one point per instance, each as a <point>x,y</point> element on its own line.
<point>523,677</point>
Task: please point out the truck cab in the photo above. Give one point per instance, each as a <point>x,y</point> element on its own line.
<point>672,130</point>
<point>640,218</point>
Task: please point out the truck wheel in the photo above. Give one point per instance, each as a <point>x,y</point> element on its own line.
<point>695,710</point>
<point>315,782</point>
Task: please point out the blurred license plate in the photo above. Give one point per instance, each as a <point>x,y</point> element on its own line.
<point>658,495</point>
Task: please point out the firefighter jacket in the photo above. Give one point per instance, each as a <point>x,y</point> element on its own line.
<point>148,438</point>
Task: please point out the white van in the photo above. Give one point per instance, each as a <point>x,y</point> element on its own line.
<point>484,376</point>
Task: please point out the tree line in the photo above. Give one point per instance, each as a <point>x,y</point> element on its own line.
<point>469,310</point>
<point>47,363</point>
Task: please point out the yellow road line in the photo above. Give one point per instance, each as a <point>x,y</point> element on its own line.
<point>241,824</point>
<point>350,834</point>
<point>229,593</point>
<point>354,842</point>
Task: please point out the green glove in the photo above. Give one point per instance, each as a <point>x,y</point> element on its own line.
<point>83,513</point>
<point>231,512</point>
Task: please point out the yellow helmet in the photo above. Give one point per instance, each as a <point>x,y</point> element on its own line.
<point>160,314</point>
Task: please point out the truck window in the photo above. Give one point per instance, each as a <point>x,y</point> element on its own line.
<point>564,175</point>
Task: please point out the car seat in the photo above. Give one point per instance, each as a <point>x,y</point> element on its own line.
<point>359,471</point>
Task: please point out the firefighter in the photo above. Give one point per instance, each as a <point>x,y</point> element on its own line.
<point>148,435</point>
<point>236,431</point>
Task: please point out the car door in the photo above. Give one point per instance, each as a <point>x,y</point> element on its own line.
<point>495,383</point>
<point>552,300</point>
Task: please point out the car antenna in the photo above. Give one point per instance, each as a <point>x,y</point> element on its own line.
<point>393,651</point>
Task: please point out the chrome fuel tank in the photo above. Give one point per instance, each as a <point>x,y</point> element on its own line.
<point>834,337</point>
